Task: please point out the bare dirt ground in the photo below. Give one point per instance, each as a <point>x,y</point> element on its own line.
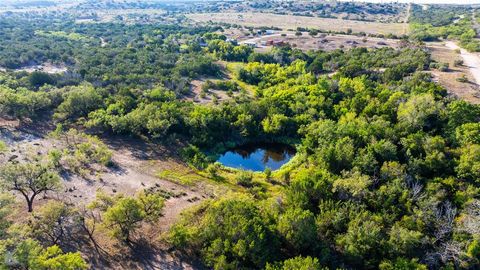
<point>320,42</point>
<point>292,22</point>
<point>471,60</point>
<point>45,67</point>
<point>196,96</point>
<point>103,43</point>
<point>445,53</point>
<point>137,167</point>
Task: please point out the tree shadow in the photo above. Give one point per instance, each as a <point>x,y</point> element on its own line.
<point>150,256</point>
<point>142,148</point>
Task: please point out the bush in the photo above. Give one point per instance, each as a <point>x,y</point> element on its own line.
<point>38,78</point>
<point>194,157</point>
<point>458,63</point>
<point>230,233</point>
<point>462,79</point>
<point>443,67</point>
<point>298,263</point>
<point>268,174</point>
<point>79,102</point>
<point>212,170</point>
<point>244,178</point>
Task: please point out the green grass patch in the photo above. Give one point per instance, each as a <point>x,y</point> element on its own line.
<point>3,147</point>
<point>182,178</point>
<point>232,69</point>
<point>62,34</point>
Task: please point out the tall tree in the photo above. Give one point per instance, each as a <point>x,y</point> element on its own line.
<point>29,179</point>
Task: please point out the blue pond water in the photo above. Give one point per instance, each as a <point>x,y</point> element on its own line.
<point>258,157</point>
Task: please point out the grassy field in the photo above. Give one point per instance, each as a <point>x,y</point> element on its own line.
<point>292,22</point>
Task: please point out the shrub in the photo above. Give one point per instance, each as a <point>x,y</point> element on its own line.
<point>212,170</point>
<point>244,178</point>
<point>462,79</point>
<point>194,157</point>
<point>458,62</point>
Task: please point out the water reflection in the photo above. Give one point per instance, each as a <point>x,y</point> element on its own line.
<point>258,157</point>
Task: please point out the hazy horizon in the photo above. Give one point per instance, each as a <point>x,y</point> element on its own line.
<point>462,2</point>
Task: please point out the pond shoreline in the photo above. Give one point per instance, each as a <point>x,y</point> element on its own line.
<point>258,156</point>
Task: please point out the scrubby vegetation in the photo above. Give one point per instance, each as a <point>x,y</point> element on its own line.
<point>383,177</point>
<point>445,22</point>
<point>386,175</point>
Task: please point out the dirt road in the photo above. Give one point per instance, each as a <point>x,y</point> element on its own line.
<point>406,25</point>
<point>471,60</point>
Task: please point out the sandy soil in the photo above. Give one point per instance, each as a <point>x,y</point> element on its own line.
<point>320,42</point>
<point>103,43</point>
<point>133,171</point>
<point>136,168</point>
<point>46,67</point>
<point>196,89</point>
<point>471,60</point>
<point>445,53</point>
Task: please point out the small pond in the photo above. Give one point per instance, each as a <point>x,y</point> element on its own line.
<point>257,157</point>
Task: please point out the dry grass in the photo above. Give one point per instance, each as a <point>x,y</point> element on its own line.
<point>325,43</point>
<point>209,97</point>
<point>232,69</point>
<point>292,22</point>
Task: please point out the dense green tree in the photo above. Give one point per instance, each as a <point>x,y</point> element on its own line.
<point>29,254</point>
<point>419,112</point>
<point>469,162</point>
<point>38,79</point>
<point>300,263</point>
<point>468,133</point>
<point>29,179</point>
<point>298,228</point>
<point>364,242</point>
<point>308,188</point>
<point>78,102</point>
<point>51,222</point>
<point>231,233</point>
<point>123,215</point>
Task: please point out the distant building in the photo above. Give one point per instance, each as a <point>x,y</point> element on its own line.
<point>278,43</point>
<point>251,44</point>
<point>232,41</point>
